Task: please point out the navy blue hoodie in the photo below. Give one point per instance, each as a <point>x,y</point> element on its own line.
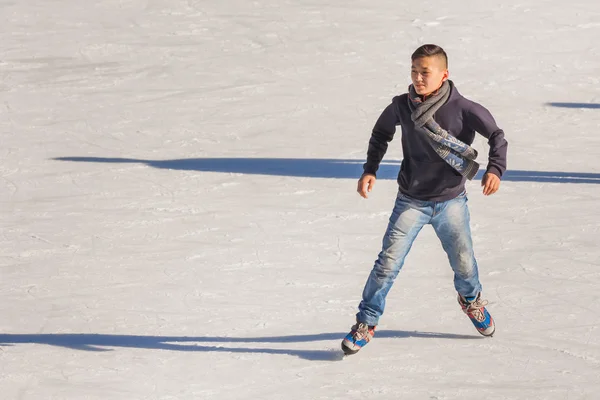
<point>424,175</point>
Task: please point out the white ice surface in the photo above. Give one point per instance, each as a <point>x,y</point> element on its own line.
<point>201,237</point>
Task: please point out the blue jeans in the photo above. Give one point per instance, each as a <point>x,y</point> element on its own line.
<point>451,222</point>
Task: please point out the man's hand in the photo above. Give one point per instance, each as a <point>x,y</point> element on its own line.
<point>365,184</point>
<point>490,183</point>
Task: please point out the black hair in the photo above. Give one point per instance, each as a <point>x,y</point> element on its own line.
<point>430,50</point>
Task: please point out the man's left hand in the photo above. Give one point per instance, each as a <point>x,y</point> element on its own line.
<point>490,183</point>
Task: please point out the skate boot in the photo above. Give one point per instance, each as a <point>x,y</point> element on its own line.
<point>359,336</point>
<point>479,316</point>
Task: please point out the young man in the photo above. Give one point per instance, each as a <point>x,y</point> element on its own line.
<point>438,126</point>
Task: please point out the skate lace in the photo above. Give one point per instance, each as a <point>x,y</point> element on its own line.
<point>362,332</point>
<point>475,307</point>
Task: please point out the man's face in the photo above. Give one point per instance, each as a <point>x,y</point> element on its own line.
<point>428,74</point>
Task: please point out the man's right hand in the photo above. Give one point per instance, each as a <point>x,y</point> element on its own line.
<point>365,184</point>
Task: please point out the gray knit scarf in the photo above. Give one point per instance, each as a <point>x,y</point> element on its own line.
<point>456,153</point>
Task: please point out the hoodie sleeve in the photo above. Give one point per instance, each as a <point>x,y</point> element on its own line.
<point>482,121</point>
<point>383,133</point>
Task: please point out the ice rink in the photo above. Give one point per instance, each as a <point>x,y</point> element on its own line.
<point>179,217</point>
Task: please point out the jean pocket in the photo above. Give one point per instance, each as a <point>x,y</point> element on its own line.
<point>462,195</point>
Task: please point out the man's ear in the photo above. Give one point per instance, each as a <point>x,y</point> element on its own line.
<point>445,76</point>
